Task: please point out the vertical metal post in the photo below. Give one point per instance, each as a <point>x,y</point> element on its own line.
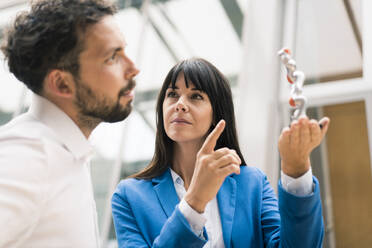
<point>289,41</point>
<point>258,97</point>
<point>116,171</point>
<point>367,65</point>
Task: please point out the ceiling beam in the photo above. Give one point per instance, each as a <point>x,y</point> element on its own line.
<point>335,77</point>
<point>354,25</point>
<point>235,15</point>
<point>6,4</point>
<point>135,3</point>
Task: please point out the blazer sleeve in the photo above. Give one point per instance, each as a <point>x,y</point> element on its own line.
<point>176,232</point>
<point>296,222</point>
<point>301,218</point>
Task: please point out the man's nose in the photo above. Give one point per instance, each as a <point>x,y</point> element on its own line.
<point>131,71</point>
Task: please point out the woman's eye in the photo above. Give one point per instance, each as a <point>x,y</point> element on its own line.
<point>197,96</point>
<point>172,94</point>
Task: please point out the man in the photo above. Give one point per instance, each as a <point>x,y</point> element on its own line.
<point>71,54</point>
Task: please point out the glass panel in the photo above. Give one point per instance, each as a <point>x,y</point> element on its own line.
<point>328,40</point>
<point>320,170</point>
<point>348,174</point>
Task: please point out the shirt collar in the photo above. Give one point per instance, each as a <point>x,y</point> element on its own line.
<point>62,125</point>
<point>176,178</point>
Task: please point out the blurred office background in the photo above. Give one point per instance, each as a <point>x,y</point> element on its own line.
<point>331,41</point>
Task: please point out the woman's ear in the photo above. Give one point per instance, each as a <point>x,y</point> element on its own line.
<point>59,83</point>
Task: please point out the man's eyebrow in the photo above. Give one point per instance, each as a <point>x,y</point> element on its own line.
<point>112,51</point>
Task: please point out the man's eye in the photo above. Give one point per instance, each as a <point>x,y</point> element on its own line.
<point>112,58</point>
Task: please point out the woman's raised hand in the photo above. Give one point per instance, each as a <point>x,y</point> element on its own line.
<point>296,143</point>
<point>211,169</point>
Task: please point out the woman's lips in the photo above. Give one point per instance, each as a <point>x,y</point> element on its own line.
<point>180,121</point>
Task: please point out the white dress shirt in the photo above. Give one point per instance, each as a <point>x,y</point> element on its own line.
<point>46,193</point>
<point>211,220</point>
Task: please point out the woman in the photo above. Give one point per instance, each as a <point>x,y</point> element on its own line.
<point>197,190</point>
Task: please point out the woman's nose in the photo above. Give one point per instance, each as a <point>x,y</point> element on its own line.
<point>181,106</point>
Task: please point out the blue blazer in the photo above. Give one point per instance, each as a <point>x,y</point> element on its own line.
<point>145,214</point>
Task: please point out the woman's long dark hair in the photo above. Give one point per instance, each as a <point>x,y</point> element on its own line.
<point>207,78</point>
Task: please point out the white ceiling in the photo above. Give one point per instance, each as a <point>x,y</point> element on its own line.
<point>326,44</point>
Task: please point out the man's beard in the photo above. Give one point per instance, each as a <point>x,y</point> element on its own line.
<point>95,107</point>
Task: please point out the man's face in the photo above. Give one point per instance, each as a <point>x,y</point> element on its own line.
<point>104,90</point>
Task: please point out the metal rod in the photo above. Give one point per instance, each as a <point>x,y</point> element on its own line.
<point>354,25</point>
<point>117,167</point>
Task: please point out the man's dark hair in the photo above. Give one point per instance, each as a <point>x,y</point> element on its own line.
<point>50,36</point>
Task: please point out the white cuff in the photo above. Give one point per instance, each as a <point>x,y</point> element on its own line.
<point>301,186</point>
<point>195,219</point>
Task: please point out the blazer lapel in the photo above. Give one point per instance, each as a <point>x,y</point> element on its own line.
<point>226,197</point>
<point>166,192</point>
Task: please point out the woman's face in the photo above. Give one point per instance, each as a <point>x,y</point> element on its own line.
<point>187,113</point>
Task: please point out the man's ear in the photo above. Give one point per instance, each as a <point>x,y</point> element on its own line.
<point>59,83</point>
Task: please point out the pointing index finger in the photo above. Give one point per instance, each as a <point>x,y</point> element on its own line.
<point>211,140</point>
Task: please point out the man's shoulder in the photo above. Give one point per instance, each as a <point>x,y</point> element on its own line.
<point>22,153</point>
<point>22,136</point>
<point>22,127</point>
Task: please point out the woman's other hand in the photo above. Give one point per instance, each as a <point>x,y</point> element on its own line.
<point>297,142</point>
<point>211,169</point>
